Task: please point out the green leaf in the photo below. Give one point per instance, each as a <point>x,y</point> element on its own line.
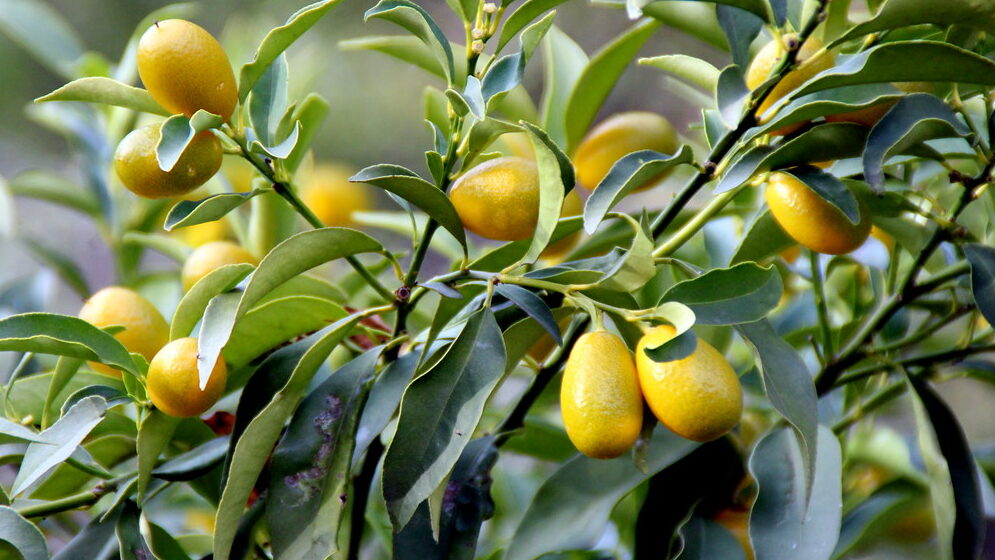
<point>791,392</point>
<point>385,397</point>
<point>507,73</point>
<point>783,512</point>
<point>705,539</point>
<point>977,14</point>
<point>953,478</point>
<point>416,20</point>
<point>61,264</point>
<point>905,61</point>
<point>741,29</point>
<point>731,94</point>
<point>571,508</point>
<point>826,142</point>
<point>131,543</point>
<point>176,133</point>
<point>829,188</point>
<point>277,41</point>
<point>268,101</point>
<point>400,222</point>
<point>310,467</point>
<point>409,186</point>
<point>525,14</point>
<point>533,306</point>
<point>192,212</point>
<point>61,441</point>
<point>62,335</point>
<point>161,544</point>
<point>51,187</point>
<point>634,267</point>
<point>743,293</point>
<point>65,369</point>
<point>191,307</point>
<point>406,48</point>
<point>107,92</point>
<point>564,61</point>
<point>627,174</point>
<point>694,18</point>
<point>308,117</point>
<point>829,102</point>
<point>693,70</point>
<point>11,432</point>
<point>982,260</point>
<point>913,120</point>
<point>439,413</point>
<point>194,463</point>
<point>44,33</point>
<point>483,133</point>
<point>154,435</point>
<point>556,178</point>
<point>93,540</point>
<point>862,523</point>
<point>599,78</point>
<point>467,502</point>
<point>297,254</point>
<point>171,247</point>
<point>251,450</point>
<point>22,534</point>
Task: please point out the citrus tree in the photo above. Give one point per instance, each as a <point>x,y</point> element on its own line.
<point>554,366</point>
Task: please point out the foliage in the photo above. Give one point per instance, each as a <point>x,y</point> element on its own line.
<point>384,411</point>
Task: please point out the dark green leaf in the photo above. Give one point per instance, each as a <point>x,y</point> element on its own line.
<point>830,189</point>
<point>599,78</point>
<point>23,535</point>
<point>176,133</point>
<point>785,524</point>
<point>532,305</point>
<point>467,502</point>
<point>743,293</point>
<point>309,472</point>
<point>977,14</point>
<point>572,507</point>
<point>626,175</point>
<point>707,540</point>
<point>741,28</point>
<point>251,450</point>
<point>982,260</point>
<point>763,238</point>
<point>914,119</point>
<point>791,392</point>
<point>415,19</point>
<point>385,396</point>
<point>94,541</point>
<point>61,441</point>
<point>107,92</point>
<point>731,94</point>
<point>194,463</point>
<point>277,41</point>
<point>677,348</point>
<point>62,335</point>
<point>829,102</point>
<point>131,543</point>
<point>952,469</point>
<point>905,61</point>
<point>859,523</point>
<point>160,542</point>
<point>409,186</point>
<point>430,438</point>
<point>192,212</point>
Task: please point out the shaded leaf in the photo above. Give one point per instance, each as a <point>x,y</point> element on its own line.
<point>416,20</point>
<point>741,28</point>
<point>467,502</point>
<point>982,260</point>
<point>572,507</point>
<point>176,133</point>
<point>44,33</point>
<point>51,187</point>
<point>830,189</point>
<point>154,435</point>
<point>385,396</point>
<point>533,306</point>
<point>194,463</point>
<point>268,101</point>
<point>902,13</point>
<point>429,439</point>
<point>96,540</point>
<point>731,94</point>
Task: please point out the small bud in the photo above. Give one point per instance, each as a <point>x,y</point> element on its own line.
<point>477,46</point>
<point>489,8</point>
<point>477,33</point>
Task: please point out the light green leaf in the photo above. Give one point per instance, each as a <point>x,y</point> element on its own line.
<point>564,62</point>
<point>785,524</point>
<point>191,307</point>
<point>44,33</point>
<point>176,133</point>
<point>65,369</point>
<point>62,335</point>
<point>168,246</point>
<point>107,92</point>
<point>599,78</point>
<point>522,17</point>
<point>277,41</point>
<point>192,212</point>
<point>725,296</point>
<point>23,535</point>
<point>978,14</point>
<point>693,70</point>
<point>308,116</point>
<point>51,187</point>
<point>154,435</point>
<point>268,101</point>
<point>439,413</point>
<point>556,178</point>
<point>406,48</point>
<point>694,18</point>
